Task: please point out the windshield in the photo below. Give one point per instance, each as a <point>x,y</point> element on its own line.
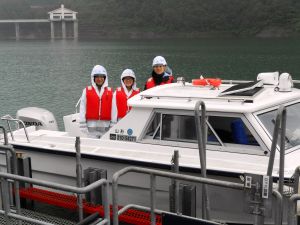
<point>292,124</point>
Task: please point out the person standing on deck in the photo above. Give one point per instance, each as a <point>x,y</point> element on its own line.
<point>127,90</point>
<point>95,105</point>
<point>161,73</point>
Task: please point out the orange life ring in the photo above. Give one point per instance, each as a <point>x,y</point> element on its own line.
<point>215,82</point>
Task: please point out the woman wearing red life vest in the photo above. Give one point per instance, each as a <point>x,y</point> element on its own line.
<point>95,105</point>
<point>127,90</point>
<point>161,73</point>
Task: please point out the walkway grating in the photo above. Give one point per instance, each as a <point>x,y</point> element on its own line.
<point>38,216</point>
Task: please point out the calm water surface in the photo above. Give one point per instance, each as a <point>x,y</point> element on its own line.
<point>52,74</point>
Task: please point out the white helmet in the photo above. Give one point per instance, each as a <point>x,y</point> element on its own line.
<point>99,70</point>
<point>128,73</point>
<point>159,60</point>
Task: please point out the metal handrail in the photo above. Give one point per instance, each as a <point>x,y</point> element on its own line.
<point>153,173</point>
<point>9,118</point>
<point>8,162</point>
<point>296,178</point>
<point>8,148</point>
<point>77,104</point>
<point>292,209</point>
<point>279,129</point>
<point>201,131</point>
<point>293,199</point>
<point>78,190</point>
<point>279,123</point>
<point>246,81</point>
<point>79,175</point>
<point>4,135</point>
<point>189,98</point>
<point>278,215</point>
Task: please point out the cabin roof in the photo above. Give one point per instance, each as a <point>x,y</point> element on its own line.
<point>179,96</point>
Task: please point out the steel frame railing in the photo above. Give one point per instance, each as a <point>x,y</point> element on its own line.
<point>4,178</point>
<point>11,168</point>
<point>153,174</point>
<point>292,211</point>
<point>9,118</point>
<point>279,128</point>
<point>77,105</point>
<point>201,131</point>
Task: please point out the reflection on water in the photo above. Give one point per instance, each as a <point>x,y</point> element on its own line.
<point>52,74</point>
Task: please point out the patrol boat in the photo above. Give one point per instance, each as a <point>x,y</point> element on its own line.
<point>240,122</point>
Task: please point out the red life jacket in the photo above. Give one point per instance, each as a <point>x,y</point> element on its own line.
<point>150,82</point>
<point>121,100</point>
<point>96,108</point>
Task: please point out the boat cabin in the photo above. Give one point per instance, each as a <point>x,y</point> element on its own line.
<point>240,117</point>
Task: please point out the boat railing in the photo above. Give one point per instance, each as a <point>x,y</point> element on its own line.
<point>236,81</point>
<point>12,167</point>
<point>157,173</point>
<point>8,213</point>
<point>77,105</point>
<point>8,119</point>
<point>246,81</point>
<point>292,220</point>
<point>279,130</point>
<point>190,98</point>
<point>201,131</point>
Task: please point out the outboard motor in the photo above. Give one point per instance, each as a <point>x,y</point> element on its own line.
<point>38,117</point>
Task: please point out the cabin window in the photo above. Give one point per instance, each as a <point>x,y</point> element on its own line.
<point>182,128</point>
<point>232,130</point>
<point>153,130</point>
<point>292,138</point>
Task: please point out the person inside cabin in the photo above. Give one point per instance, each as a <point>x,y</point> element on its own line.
<point>161,73</point>
<point>127,90</point>
<point>95,105</point>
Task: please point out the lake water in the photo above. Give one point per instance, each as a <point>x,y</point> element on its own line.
<point>52,74</point>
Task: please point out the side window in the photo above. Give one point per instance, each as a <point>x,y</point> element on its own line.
<point>179,128</point>
<point>232,130</point>
<point>153,131</point>
<point>292,138</point>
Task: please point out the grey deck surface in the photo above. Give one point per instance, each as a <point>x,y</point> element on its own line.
<point>39,216</point>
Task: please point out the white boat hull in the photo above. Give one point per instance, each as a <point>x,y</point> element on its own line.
<point>226,204</point>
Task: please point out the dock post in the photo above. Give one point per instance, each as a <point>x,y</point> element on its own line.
<point>63,29</point>
<point>17,28</point>
<point>52,30</point>
<point>75,31</point>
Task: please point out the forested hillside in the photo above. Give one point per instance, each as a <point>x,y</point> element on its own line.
<point>163,17</point>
